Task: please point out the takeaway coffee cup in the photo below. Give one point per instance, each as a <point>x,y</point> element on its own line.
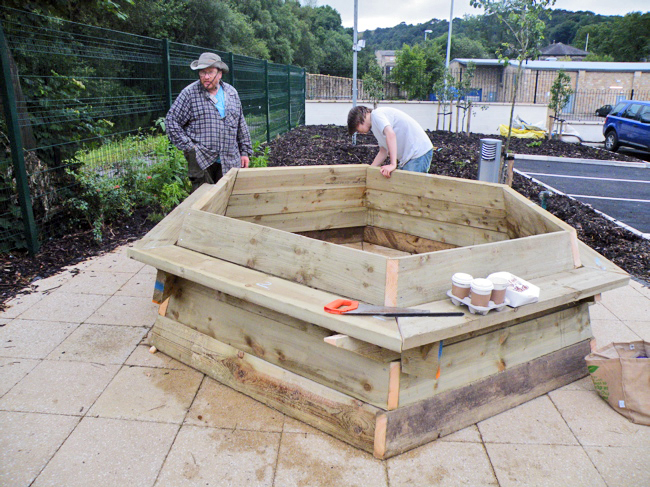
<point>499,291</point>
<point>480,292</point>
<point>460,284</point>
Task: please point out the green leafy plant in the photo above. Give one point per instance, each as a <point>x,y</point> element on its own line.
<point>560,96</point>
<point>536,143</point>
<point>260,157</point>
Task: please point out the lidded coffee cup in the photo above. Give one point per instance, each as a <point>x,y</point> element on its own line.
<point>499,291</point>
<point>481,292</point>
<point>460,285</point>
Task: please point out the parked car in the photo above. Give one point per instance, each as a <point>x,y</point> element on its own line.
<point>603,111</point>
<point>628,124</point>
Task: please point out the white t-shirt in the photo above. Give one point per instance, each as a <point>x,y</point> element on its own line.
<point>412,140</point>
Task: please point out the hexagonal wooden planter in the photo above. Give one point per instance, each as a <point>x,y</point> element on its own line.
<point>247,265</point>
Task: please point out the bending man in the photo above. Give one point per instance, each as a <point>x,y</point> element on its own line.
<point>400,138</point>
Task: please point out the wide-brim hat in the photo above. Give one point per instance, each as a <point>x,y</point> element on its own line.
<point>209,60</point>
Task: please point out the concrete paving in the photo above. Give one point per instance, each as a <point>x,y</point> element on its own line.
<point>84,403</point>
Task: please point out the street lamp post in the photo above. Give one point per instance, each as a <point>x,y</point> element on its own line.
<point>426,32</point>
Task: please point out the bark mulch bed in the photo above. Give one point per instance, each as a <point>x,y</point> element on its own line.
<point>456,156</point>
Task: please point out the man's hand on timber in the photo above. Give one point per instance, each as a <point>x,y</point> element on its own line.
<point>388,169</point>
<point>245,161</point>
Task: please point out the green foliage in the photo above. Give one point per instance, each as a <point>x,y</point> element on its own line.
<point>417,68</point>
<point>624,38</point>
<point>560,92</point>
<point>461,47</point>
<point>260,157</point>
<point>373,83</point>
<point>106,193</point>
<point>535,143</point>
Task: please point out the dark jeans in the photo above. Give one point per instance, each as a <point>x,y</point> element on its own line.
<point>200,176</point>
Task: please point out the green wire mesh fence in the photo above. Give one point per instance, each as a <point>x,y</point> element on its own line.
<point>83,94</point>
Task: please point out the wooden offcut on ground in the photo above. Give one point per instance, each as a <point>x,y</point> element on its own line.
<point>246,266</point>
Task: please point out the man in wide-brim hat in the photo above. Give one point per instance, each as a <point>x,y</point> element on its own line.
<point>207,123</point>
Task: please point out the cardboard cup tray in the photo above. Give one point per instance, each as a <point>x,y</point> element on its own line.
<point>482,310</point>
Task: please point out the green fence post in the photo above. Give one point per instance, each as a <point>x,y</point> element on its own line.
<point>268,100</point>
<point>289,96</point>
<point>304,95</point>
<point>16,144</point>
<point>167,75</point>
<point>231,65</point>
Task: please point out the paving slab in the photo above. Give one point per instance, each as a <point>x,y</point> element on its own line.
<point>148,394</point>
<point>622,465</point>
<point>219,406</point>
<point>470,434</point>
<point>65,307</point>
<point>104,344</point>
<point>216,457</point>
<point>27,442</point>
<point>534,422</point>
<point>442,463</point>
<point>59,387</point>
<point>21,303</point>
<point>108,453</point>
<point>95,282</point>
<point>12,370</point>
<point>641,328</point>
<point>125,310</point>
<point>543,465</point>
<point>116,261</point>
<point>595,423</point>
<point>609,331</point>
<point>320,460</point>
<point>140,285</point>
<point>630,307</point>
<point>32,338</point>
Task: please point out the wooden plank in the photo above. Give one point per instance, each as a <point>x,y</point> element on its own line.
<point>321,265</point>
<point>167,231</point>
<point>270,292</point>
<point>459,235</point>
<point>296,201</point>
<point>422,361</point>
<point>556,290</point>
<point>410,426</point>
<point>162,288</point>
<point>312,220</point>
<point>592,259</point>
<point>270,180</point>
<point>427,277</point>
<point>394,386</point>
<point>366,349</point>
<point>476,358</point>
<point>283,345</point>
<point>381,250</point>
<point>330,411</point>
<point>337,235</point>
<point>216,200</point>
<point>402,241</point>
<point>454,190</point>
<point>439,210</point>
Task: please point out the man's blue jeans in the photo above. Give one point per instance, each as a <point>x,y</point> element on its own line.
<point>419,164</point>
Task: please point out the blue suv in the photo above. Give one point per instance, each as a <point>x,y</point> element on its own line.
<point>628,124</point>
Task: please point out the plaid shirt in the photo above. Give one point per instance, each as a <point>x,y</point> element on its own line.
<point>193,123</point>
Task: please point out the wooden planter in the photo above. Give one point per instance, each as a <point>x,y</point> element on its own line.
<point>247,265</point>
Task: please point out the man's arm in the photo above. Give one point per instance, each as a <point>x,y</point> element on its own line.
<point>380,157</point>
<point>243,137</point>
<point>177,117</point>
<point>391,142</point>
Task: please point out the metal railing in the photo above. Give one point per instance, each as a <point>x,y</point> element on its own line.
<point>70,88</point>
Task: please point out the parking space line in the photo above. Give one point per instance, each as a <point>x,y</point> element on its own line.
<point>586,177</point>
<point>606,198</point>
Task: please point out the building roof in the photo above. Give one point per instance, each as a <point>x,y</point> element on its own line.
<point>565,65</point>
<point>560,49</point>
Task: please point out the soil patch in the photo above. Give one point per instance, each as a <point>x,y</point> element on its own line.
<point>455,156</point>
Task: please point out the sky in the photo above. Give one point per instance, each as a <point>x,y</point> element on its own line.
<point>381,13</point>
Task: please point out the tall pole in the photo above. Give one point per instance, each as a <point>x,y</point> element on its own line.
<point>451,17</point>
<point>354,55</point>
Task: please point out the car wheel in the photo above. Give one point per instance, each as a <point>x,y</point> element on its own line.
<point>611,141</point>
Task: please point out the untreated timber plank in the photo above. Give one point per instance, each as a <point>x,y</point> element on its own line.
<point>556,290</point>
<point>337,235</point>
<point>454,190</point>
<point>330,411</point>
<point>476,358</point>
<point>312,220</point>
<point>270,180</point>
<point>284,345</point>
<point>366,349</point>
<point>427,277</point>
<point>162,287</point>
<point>451,233</point>
<point>271,292</point>
<point>216,199</point>
<point>410,426</point>
<point>439,210</point>
<point>303,260</point>
<point>403,241</point>
<point>295,201</point>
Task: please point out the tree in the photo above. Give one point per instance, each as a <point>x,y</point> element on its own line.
<point>461,47</point>
<point>560,95</point>
<point>522,20</point>
<point>417,68</point>
<point>373,83</point>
